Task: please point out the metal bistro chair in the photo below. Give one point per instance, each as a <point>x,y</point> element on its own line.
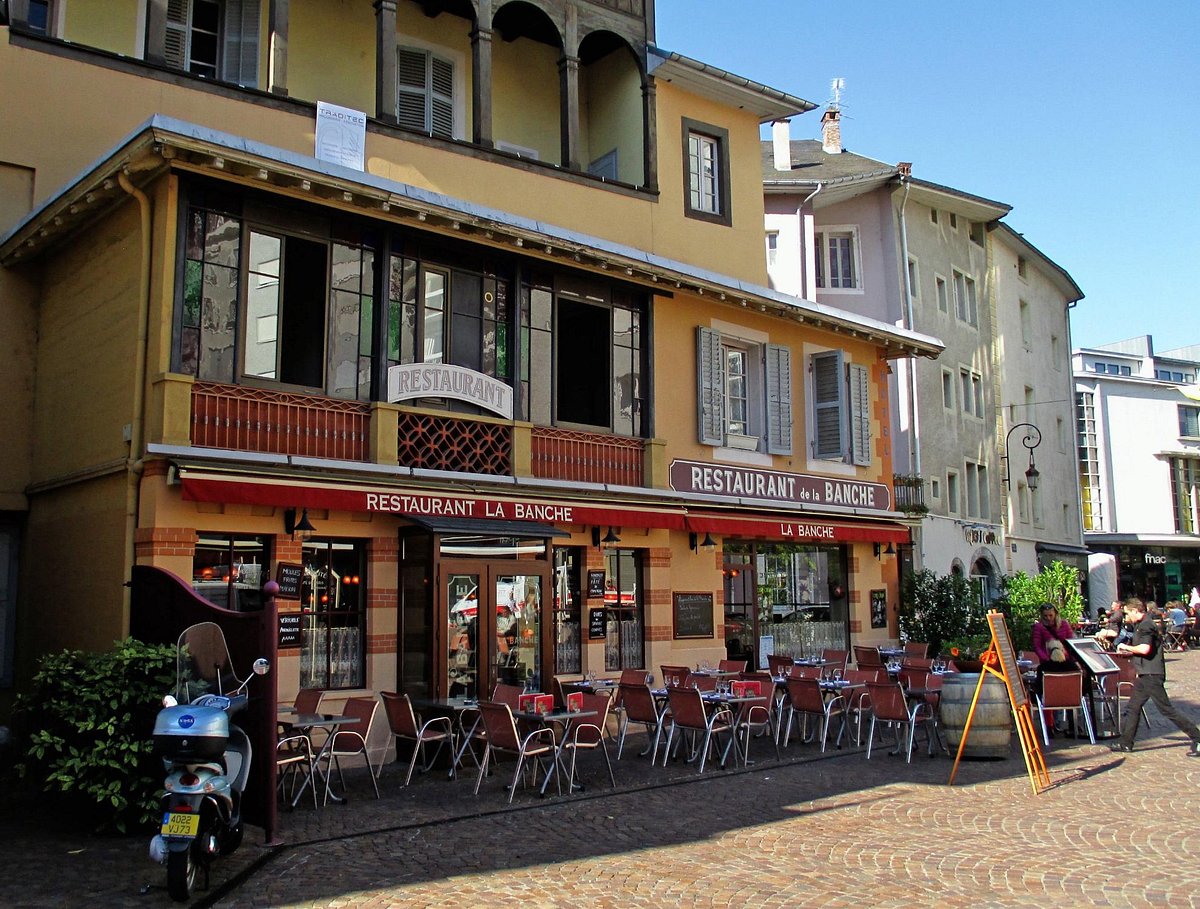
<point>352,742</point>
<point>867,657</point>
<point>758,715</point>
<point>640,707</point>
<point>806,699</point>
<point>835,662</point>
<point>675,675</point>
<point>589,735</point>
<point>688,715</point>
<point>405,724</point>
<point>1064,691</point>
<point>295,765</point>
<point>731,666</point>
<point>778,664</point>
<point>890,705</point>
<point>502,737</point>
<point>916,649</point>
<point>858,703</point>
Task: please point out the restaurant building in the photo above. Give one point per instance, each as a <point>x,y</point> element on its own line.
<point>465,341</point>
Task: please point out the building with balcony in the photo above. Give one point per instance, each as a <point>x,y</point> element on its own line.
<point>869,237</point>
<point>450,316</point>
<point>1138,434</point>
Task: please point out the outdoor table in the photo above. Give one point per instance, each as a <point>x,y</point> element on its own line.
<point>458,706</point>
<point>558,715</point>
<point>594,686</point>
<point>306,722</point>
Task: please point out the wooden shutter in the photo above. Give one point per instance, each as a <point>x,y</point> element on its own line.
<point>425,89</point>
<point>860,415</point>
<point>239,61</point>
<point>441,98</point>
<point>175,44</point>
<point>710,391</point>
<point>828,405</point>
<point>410,79</point>
<point>779,399</point>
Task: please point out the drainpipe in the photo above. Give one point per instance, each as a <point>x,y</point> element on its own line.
<point>135,463</point>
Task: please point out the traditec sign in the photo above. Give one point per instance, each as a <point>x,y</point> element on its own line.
<point>439,380</point>
<point>777,486</point>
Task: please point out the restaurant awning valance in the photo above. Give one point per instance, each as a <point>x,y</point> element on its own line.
<point>798,528</point>
<point>527,530</point>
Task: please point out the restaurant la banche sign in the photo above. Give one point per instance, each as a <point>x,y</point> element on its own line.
<point>777,486</point>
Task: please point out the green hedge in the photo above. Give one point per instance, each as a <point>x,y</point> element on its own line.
<point>84,731</point>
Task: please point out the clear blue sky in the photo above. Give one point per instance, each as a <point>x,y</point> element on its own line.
<point>1083,115</point>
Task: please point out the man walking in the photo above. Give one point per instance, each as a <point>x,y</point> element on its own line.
<point>1146,650</point>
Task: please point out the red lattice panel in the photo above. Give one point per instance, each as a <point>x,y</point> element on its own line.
<point>252,419</point>
<point>560,454</point>
<point>462,446</point>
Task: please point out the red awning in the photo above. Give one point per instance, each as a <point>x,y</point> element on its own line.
<point>806,529</point>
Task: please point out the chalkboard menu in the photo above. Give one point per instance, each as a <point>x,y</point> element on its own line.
<point>288,576</point>
<point>1008,658</point>
<point>595,583</point>
<point>289,629</point>
<point>597,624</point>
<point>693,615</point>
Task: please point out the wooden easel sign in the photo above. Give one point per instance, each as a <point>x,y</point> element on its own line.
<point>1000,660</point>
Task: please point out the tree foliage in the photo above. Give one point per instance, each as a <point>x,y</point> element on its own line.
<point>85,729</point>
<point>1024,595</point>
<point>940,610</point>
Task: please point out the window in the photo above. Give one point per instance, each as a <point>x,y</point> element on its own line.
<point>706,166</point>
<point>1189,421</point>
<point>39,16</point>
<point>1026,325</point>
<point>971,392</point>
<point>1022,267</point>
<point>947,389</point>
<point>229,571</point>
<point>216,39</point>
<point>1056,353</point>
<point>624,604</point>
<point>1035,503</point>
<point>425,86</point>
<point>1022,502</point>
<point>976,231</point>
<point>605,167</point>
<point>952,491</point>
<point>1185,493</point>
<point>837,255</point>
<point>841,409</point>
<point>964,298</point>
<point>1113,369</point>
<point>933,215</point>
<point>953,221</point>
<point>943,297</point>
<point>567,378</point>
<point>1089,463</point>
<point>1060,433</point>
<point>568,609</point>
<point>935,488</point>
<point>978,494</point>
<point>1171,375</point>
<point>772,247</point>
<point>914,284</point>
<point>521,151</point>
<point>744,392</point>
<point>333,598</point>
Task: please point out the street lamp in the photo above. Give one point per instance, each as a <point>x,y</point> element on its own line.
<point>1031,440</point>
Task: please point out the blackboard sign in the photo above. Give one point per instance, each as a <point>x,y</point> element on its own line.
<point>597,624</point>
<point>595,584</point>
<point>693,615</point>
<point>879,609</point>
<point>288,576</point>
<point>1008,658</point>
<point>289,629</point>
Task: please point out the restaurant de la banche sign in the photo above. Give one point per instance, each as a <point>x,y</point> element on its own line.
<point>441,380</point>
<point>777,486</point>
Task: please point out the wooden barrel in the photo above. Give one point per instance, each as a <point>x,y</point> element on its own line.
<point>991,727</point>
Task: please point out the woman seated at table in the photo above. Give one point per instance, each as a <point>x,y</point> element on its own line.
<point>1048,636</point>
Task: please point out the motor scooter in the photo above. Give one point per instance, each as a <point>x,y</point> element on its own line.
<point>206,758</point>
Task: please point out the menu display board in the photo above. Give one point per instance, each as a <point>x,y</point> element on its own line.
<point>1008,658</point>
<point>597,622</point>
<point>1093,656</point>
<point>879,618</point>
<point>288,576</point>
<point>693,615</point>
<point>595,588</point>
<point>289,629</point>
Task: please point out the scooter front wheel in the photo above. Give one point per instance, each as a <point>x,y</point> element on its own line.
<point>181,873</point>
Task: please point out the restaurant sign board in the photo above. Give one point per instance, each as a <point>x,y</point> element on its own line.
<point>409,381</point>
<point>777,486</point>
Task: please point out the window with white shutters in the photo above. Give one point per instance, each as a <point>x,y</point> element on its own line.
<point>743,392</point>
<point>828,392</point>
<point>425,84</point>
<point>710,390</point>
<point>779,399</point>
<point>860,414</point>
<point>214,39</point>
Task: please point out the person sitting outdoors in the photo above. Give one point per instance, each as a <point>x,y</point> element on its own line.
<point>1048,636</point>
<point>1113,626</point>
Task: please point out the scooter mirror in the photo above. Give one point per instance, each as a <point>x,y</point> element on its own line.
<point>262,666</point>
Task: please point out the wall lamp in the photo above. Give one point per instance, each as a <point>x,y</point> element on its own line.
<point>891,550</point>
<point>697,544</point>
<point>1031,440</point>
<point>609,538</point>
<point>300,530</point>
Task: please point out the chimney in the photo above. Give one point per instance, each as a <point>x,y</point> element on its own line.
<point>831,131</point>
<point>781,139</point>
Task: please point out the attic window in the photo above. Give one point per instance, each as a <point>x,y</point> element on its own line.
<point>933,215</point>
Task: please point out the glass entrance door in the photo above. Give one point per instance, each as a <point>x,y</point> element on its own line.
<point>495,628</point>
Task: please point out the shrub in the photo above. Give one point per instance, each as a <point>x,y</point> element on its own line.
<point>939,609</point>
<point>85,731</point>
<point>1024,595</point>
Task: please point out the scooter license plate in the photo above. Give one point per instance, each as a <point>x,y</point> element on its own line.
<point>180,824</point>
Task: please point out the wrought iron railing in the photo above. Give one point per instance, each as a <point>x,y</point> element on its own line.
<point>437,442</point>
<point>585,457</point>
<point>909,493</point>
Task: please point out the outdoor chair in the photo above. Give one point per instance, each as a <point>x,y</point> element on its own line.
<point>890,705</point>
<point>1063,691</point>
<point>732,666</point>
<point>858,704</point>
<point>835,662</point>
<point>805,699</point>
<point>294,767</point>
<point>702,682</point>
<point>867,657</point>
<point>757,716</point>
<point>674,675</point>
<point>1175,638</point>
<point>689,716</point>
<point>503,738</point>
<point>640,707</point>
<point>768,689</point>
<point>916,649</point>
<point>404,723</point>
<point>778,665</point>
<point>796,671</point>
<point>588,735</point>
<point>352,741</point>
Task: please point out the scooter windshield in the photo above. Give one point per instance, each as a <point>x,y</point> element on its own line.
<point>203,665</point>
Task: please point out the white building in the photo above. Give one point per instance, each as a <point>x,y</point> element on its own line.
<point>1139,463</point>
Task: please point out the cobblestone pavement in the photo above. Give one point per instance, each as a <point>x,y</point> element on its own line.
<point>827,830</point>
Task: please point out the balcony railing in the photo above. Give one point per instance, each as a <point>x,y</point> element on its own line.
<point>909,494</point>
<point>585,457</point>
<point>252,419</point>
<point>436,442</point>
